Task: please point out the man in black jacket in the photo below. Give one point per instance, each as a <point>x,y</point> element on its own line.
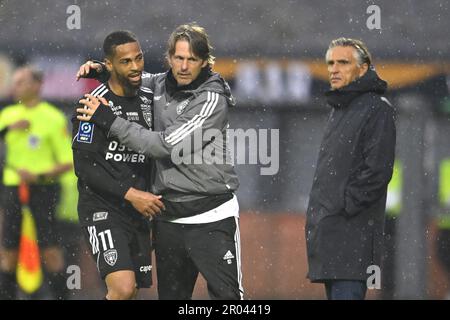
<point>345,216</point>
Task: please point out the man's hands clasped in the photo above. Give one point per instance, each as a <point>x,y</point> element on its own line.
<point>148,204</point>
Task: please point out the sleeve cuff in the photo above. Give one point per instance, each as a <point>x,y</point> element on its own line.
<point>122,189</point>
<point>102,76</point>
<point>350,209</point>
<point>104,117</point>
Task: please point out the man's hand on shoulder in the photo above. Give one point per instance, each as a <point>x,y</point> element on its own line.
<point>87,68</point>
<point>91,104</point>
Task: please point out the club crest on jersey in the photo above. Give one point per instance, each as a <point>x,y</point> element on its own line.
<point>85,132</point>
<point>33,141</point>
<point>110,257</point>
<point>147,113</point>
<point>182,106</point>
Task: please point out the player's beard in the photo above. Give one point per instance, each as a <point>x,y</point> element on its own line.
<point>129,86</point>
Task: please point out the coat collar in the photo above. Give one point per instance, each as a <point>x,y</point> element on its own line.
<point>369,82</point>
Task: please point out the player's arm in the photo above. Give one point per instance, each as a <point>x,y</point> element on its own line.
<point>99,179</point>
<point>89,167</point>
<point>209,113</point>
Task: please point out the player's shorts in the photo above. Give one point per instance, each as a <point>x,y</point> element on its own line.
<point>117,246</point>
<point>42,204</point>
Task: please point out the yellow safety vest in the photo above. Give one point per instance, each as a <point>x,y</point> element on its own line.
<point>394,192</point>
<point>444,194</point>
<point>67,206</point>
<point>40,147</point>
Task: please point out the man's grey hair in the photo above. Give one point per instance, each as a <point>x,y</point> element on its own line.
<point>362,54</point>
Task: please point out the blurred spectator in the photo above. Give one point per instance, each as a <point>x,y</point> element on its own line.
<point>37,152</point>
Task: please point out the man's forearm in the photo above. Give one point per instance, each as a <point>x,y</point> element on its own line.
<point>58,170</point>
<point>97,177</point>
<point>139,138</point>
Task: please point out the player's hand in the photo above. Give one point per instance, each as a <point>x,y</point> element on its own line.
<point>146,203</point>
<point>26,176</point>
<point>19,125</point>
<point>91,104</point>
<point>86,68</point>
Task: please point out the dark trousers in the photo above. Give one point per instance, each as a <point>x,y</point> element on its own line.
<point>345,289</point>
<point>43,202</point>
<point>185,250</point>
<point>388,262</point>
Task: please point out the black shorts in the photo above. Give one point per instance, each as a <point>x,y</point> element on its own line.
<point>185,250</point>
<point>42,204</point>
<point>116,246</point>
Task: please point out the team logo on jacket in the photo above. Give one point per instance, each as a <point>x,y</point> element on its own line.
<point>228,256</point>
<point>182,106</point>
<point>110,257</point>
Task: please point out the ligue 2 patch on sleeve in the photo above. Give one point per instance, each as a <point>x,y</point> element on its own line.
<point>85,132</point>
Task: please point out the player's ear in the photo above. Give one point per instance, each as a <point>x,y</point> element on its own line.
<point>108,64</point>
